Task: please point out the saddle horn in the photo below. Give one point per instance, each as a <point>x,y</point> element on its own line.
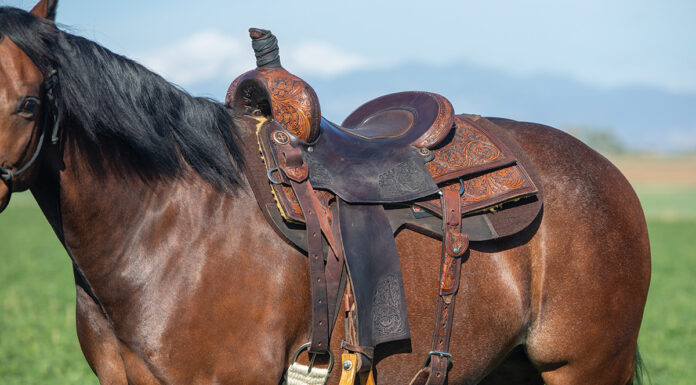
<point>272,92</point>
<point>265,46</point>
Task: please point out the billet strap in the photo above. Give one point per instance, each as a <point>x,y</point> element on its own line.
<point>290,161</point>
<point>454,246</point>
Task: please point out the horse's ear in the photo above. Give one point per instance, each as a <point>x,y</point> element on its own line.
<point>46,9</point>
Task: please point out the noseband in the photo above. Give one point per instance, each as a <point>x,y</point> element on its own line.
<point>50,116</point>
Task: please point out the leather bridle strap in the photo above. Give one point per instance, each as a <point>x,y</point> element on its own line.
<point>50,116</point>
<point>8,175</point>
<point>454,245</point>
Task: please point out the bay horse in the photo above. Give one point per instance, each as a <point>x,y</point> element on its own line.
<point>180,279</point>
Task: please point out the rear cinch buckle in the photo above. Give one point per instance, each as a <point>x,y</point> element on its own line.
<point>437,353</point>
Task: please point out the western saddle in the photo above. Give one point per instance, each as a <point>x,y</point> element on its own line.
<point>341,192</point>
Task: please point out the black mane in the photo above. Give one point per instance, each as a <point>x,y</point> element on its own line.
<point>128,113</point>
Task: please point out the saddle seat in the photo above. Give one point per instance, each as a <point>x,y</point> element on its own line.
<point>421,119</point>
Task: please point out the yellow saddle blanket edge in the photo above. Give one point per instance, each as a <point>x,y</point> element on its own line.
<point>261,120</point>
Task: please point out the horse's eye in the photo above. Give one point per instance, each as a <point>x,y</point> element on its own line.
<point>28,107</point>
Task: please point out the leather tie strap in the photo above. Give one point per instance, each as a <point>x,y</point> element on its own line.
<point>454,245</point>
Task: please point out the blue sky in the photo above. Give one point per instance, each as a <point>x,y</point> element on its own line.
<point>624,66</point>
<point>603,43</point>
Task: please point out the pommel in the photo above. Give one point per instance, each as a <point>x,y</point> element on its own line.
<point>272,92</point>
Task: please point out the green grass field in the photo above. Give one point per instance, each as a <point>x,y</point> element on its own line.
<point>38,344</point>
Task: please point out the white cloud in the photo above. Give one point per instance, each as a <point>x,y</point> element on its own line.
<point>205,55</point>
<point>321,59</point>
<point>210,55</point>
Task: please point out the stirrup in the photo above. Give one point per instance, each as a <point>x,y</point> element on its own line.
<point>350,371</point>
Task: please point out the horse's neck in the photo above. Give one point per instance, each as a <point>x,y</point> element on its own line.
<point>119,229</point>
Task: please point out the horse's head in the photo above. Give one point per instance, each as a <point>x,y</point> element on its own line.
<point>25,104</point>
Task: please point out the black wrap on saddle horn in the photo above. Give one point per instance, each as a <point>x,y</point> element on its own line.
<point>265,46</point>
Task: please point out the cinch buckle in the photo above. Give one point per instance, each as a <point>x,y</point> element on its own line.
<point>313,356</point>
<point>437,353</point>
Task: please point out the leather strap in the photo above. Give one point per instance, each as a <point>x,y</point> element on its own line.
<point>365,354</point>
<point>290,161</point>
<point>454,246</point>
<point>367,351</point>
<point>335,274</point>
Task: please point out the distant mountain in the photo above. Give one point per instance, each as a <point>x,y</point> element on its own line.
<point>643,118</point>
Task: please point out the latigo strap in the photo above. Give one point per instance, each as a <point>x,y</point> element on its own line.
<point>290,161</point>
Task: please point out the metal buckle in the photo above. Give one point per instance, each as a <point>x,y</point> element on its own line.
<point>461,188</point>
<point>313,356</point>
<point>269,173</point>
<point>437,353</point>
<point>6,174</point>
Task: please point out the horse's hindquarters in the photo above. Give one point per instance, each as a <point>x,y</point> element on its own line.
<point>590,264</point>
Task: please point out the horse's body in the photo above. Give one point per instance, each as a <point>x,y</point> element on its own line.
<point>180,281</point>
